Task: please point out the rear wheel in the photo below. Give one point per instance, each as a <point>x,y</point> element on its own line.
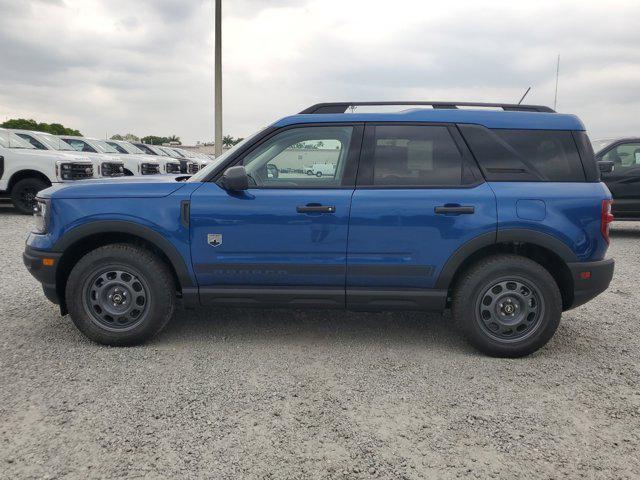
<point>24,192</point>
<point>507,305</point>
<point>120,294</point>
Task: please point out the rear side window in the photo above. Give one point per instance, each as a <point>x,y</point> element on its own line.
<point>525,155</point>
<point>415,155</point>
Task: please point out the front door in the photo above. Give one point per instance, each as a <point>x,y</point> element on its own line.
<point>624,180</point>
<point>284,240</point>
<point>419,197</point>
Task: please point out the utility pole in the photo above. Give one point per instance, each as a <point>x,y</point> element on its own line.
<point>218,79</point>
<point>555,97</point>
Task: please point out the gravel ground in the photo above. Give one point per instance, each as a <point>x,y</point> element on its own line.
<point>276,394</point>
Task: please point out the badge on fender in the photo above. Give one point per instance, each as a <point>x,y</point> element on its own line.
<point>214,239</point>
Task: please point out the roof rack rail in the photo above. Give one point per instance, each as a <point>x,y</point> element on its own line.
<point>341,107</point>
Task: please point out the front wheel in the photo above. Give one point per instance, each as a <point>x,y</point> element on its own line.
<point>507,305</point>
<point>24,192</point>
<point>120,294</point>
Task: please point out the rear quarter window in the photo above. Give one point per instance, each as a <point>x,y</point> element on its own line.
<point>525,155</point>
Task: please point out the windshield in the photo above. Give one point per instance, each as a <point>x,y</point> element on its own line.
<point>157,151</point>
<point>52,141</point>
<point>103,147</point>
<point>198,177</point>
<point>131,148</point>
<point>185,153</point>
<point>11,140</point>
<point>601,144</point>
<point>119,148</point>
<point>168,152</point>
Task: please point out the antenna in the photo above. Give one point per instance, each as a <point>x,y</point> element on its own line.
<point>525,94</point>
<point>555,98</point>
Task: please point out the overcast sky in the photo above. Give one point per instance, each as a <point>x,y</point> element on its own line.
<point>145,66</point>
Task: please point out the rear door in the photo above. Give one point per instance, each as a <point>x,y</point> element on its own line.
<point>624,180</point>
<point>419,197</point>
<point>284,240</point>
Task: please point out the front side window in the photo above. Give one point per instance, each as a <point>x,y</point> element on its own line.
<point>624,155</point>
<point>301,157</point>
<point>416,155</point>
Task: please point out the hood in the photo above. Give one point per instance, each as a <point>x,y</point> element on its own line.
<point>51,154</point>
<point>119,187</point>
<point>143,158</point>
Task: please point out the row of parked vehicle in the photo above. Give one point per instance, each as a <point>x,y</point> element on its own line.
<point>32,161</point>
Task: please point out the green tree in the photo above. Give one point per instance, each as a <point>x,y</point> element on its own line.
<point>154,140</point>
<point>174,138</point>
<point>129,137</point>
<point>31,124</point>
<point>228,141</point>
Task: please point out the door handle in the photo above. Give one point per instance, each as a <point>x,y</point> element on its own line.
<point>454,209</point>
<point>315,208</point>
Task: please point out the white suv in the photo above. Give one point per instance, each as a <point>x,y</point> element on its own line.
<point>167,164</point>
<point>103,167</point>
<point>25,170</point>
<point>133,164</point>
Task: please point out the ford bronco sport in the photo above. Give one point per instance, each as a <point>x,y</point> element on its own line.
<point>495,211</point>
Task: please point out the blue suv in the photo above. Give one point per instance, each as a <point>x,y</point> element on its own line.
<point>495,211</point>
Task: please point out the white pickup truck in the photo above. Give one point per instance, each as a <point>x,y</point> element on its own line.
<point>322,169</point>
<point>133,164</point>
<point>167,164</point>
<point>25,170</point>
<point>103,166</point>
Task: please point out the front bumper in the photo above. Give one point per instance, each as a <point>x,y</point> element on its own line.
<point>45,274</point>
<point>590,279</point>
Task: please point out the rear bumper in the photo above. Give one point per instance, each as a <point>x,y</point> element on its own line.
<point>46,275</point>
<point>599,276</point>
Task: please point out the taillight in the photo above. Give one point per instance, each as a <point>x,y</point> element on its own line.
<point>607,218</point>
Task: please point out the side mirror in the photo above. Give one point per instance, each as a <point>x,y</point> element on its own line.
<point>605,166</point>
<point>235,179</point>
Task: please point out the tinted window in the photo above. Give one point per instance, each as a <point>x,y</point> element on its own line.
<point>301,157</point>
<point>414,155</point>
<point>525,155</point>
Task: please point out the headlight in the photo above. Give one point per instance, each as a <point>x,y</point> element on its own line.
<point>66,171</point>
<point>41,216</point>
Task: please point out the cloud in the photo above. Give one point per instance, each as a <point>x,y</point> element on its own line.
<point>106,67</point>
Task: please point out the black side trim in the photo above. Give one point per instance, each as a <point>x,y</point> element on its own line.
<point>585,289</point>
<point>273,297</point>
<point>525,235</point>
<point>32,259</point>
<point>460,255</point>
<point>185,208</point>
<point>387,299</point>
<point>119,226</point>
<point>1,166</point>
